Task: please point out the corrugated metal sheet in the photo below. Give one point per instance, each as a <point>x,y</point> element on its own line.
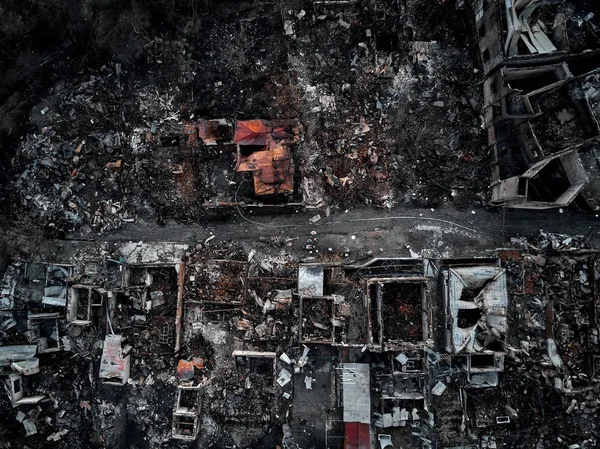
<point>357,436</point>
<point>356,392</point>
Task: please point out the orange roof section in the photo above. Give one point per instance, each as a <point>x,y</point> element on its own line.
<point>261,132</point>
<point>273,170</point>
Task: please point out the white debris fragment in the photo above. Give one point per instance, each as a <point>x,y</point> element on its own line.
<point>344,23</point>
<point>284,377</point>
<point>402,359</point>
<point>438,389</point>
<point>288,26</point>
<point>302,361</point>
<point>308,382</point>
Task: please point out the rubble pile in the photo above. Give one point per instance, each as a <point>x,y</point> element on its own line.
<point>397,123</point>
<point>383,131</point>
<point>214,344</point>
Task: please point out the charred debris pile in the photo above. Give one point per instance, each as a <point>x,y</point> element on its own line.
<point>379,101</point>
<point>214,345</point>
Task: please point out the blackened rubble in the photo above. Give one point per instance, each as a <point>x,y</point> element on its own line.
<point>380,101</point>
<point>451,350</point>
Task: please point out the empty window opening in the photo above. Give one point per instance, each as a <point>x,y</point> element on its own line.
<point>522,187</point>
<point>482,30</point>
<point>185,425</point>
<point>188,399</point>
<point>373,314</point>
<point>482,361</point>
<point>17,386</point>
<point>468,317</point>
<point>170,141</point>
<point>247,150</point>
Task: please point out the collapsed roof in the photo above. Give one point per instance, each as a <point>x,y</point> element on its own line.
<point>476,301</point>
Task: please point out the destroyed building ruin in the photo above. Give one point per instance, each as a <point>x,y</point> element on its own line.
<point>476,303</point>
<point>449,344</point>
<point>541,124</point>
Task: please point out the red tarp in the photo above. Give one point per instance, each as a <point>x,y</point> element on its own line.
<point>357,436</point>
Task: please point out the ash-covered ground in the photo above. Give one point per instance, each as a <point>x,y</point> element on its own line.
<point>299,224</point>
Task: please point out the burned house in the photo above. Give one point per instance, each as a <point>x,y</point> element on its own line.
<point>476,304</point>
<point>263,150</point>
<point>539,61</point>
<point>254,396</point>
<point>215,281</point>
<point>398,304</point>
<point>400,397</point>
<point>261,155</point>
<point>322,317</point>
<point>256,365</point>
<point>154,292</point>
<point>543,139</point>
